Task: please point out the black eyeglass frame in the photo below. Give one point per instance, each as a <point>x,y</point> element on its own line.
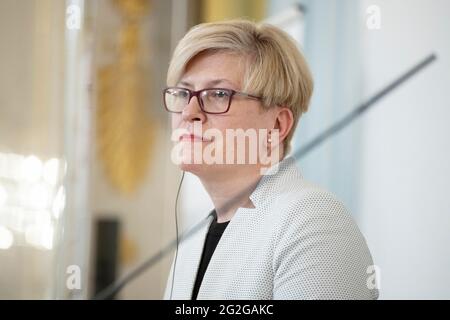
<point>200,101</point>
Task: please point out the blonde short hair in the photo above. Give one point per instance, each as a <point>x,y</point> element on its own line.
<point>275,70</point>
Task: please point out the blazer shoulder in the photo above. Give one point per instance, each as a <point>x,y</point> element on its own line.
<point>310,209</point>
<point>305,199</point>
<point>319,251</point>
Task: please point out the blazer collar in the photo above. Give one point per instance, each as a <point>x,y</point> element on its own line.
<point>277,174</point>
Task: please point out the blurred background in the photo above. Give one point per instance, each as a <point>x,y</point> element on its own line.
<point>87,187</point>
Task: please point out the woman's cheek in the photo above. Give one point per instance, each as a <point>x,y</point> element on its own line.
<point>176,120</point>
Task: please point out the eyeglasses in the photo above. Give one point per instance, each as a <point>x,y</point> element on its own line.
<point>211,100</point>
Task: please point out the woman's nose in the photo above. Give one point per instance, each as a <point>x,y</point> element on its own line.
<point>193,112</point>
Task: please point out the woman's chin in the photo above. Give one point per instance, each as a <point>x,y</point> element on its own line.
<point>191,167</point>
<point>200,169</point>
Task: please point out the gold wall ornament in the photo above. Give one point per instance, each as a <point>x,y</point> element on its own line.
<point>218,10</point>
<point>125,128</point>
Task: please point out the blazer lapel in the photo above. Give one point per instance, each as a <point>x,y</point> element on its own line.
<point>228,252</point>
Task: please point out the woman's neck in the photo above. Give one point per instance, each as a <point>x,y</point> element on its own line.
<point>231,192</point>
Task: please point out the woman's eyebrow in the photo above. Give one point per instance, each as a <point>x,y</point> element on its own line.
<point>219,81</point>
<point>208,84</point>
<point>184,84</point>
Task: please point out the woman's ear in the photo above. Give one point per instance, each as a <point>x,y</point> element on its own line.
<point>284,122</point>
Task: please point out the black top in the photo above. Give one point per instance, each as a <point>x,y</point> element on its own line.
<point>212,238</point>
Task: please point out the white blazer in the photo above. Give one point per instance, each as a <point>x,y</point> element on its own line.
<point>299,242</point>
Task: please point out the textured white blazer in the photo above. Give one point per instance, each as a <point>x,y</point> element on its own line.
<point>299,242</point>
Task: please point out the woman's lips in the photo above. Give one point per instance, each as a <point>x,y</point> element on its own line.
<point>193,137</point>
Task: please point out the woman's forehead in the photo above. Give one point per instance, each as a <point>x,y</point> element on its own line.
<point>213,69</point>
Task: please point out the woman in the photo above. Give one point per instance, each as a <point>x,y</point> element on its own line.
<point>272,235</point>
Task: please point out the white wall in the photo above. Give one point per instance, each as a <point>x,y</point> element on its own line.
<point>405,156</point>
<point>31,121</point>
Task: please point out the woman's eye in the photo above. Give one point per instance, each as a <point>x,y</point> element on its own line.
<point>181,94</point>
<point>220,94</point>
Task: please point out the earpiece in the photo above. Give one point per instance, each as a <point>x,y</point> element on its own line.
<point>176,229</point>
